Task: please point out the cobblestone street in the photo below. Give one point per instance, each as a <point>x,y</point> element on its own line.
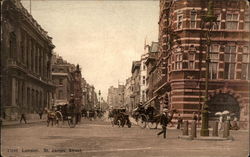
<point>98,138</point>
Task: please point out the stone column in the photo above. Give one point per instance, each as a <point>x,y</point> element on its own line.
<point>41,72</point>
<point>13,94</point>
<point>38,60</point>
<point>215,129</point>
<point>226,132</point>
<point>24,95</point>
<point>185,128</point>
<point>34,57</point>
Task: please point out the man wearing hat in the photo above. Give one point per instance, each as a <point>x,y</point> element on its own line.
<point>164,122</point>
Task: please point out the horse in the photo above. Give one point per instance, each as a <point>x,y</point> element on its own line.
<point>51,116</point>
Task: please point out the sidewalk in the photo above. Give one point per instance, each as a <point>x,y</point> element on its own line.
<point>31,119</point>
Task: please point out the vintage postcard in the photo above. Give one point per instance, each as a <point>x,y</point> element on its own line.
<point>125,78</point>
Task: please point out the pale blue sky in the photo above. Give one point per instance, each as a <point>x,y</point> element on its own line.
<point>103,37</point>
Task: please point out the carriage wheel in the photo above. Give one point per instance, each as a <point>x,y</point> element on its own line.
<point>59,118</point>
<point>72,121</point>
<point>142,120</point>
<point>152,125</point>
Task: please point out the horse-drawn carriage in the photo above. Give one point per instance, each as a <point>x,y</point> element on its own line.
<point>148,117</point>
<point>120,117</point>
<point>61,113</point>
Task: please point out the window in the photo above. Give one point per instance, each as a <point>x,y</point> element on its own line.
<point>143,80</point>
<point>214,48</point>
<point>232,21</point>
<point>230,55</point>
<point>214,52</point>
<point>144,67</point>
<point>60,81</point>
<point>191,58</point>
<point>60,94</point>
<point>213,70</point>
<point>217,25</point>
<point>247,21</point>
<point>246,58</point>
<point>178,62</point>
<point>245,72</point>
<point>229,71</point>
<point>179,21</point>
<point>193,19</point>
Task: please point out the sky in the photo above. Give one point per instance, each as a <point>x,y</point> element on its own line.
<point>102,36</point>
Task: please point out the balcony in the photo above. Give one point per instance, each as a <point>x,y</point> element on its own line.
<point>11,63</point>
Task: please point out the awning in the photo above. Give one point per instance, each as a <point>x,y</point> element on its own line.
<point>149,101</point>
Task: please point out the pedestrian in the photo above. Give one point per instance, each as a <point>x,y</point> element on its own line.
<point>40,113</point>
<point>235,124</point>
<point>198,119</point>
<point>220,125</point>
<point>179,121</point>
<point>23,118</point>
<point>164,121</point>
<point>194,117</point>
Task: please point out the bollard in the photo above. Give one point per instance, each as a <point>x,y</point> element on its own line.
<point>185,128</point>
<point>226,129</point>
<point>193,129</point>
<point>215,129</point>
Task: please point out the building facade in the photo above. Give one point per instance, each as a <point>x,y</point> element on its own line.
<point>26,50</point>
<point>135,84</point>
<point>116,96</point>
<point>182,52</point>
<point>143,76</point>
<point>127,94</point>
<point>62,78</point>
<point>151,62</point>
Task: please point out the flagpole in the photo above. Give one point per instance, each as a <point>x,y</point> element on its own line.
<point>30,6</point>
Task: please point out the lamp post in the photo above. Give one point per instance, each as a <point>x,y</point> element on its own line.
<point>100,99</point>
<point>208,20</point>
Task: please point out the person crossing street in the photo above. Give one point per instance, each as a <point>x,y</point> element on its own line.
<point>164,122</point>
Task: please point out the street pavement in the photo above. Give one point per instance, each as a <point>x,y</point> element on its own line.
<point>98,138</point>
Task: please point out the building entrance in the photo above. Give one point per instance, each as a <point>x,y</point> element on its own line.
<point>222,102</point>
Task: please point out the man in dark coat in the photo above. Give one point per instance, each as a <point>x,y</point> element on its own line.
<point>179,121</point>
<point>164,122</point>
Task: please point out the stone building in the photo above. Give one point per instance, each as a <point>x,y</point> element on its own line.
<point>135,84</point>
<point>116,96</point>
<point>26,50</point>
<point>182,51</point>
<point>89,100</point>
<point>127,94</point>
<point>62,78</point>
<point>151,75</point>
<point>143,76</point>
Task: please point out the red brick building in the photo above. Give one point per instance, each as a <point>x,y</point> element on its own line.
<point>182,51</point>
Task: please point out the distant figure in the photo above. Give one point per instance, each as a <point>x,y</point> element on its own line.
<point>179,121</point>
<point>198,119</point>
<point>220,125</point>
<point>23,118</point>
<point>194,117</point>
<point>164,122</point>
<point>40,113</point>
<point>235,124</point>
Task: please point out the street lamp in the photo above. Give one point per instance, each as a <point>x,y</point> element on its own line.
<point>100,99</point>
<point>208,20</point>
